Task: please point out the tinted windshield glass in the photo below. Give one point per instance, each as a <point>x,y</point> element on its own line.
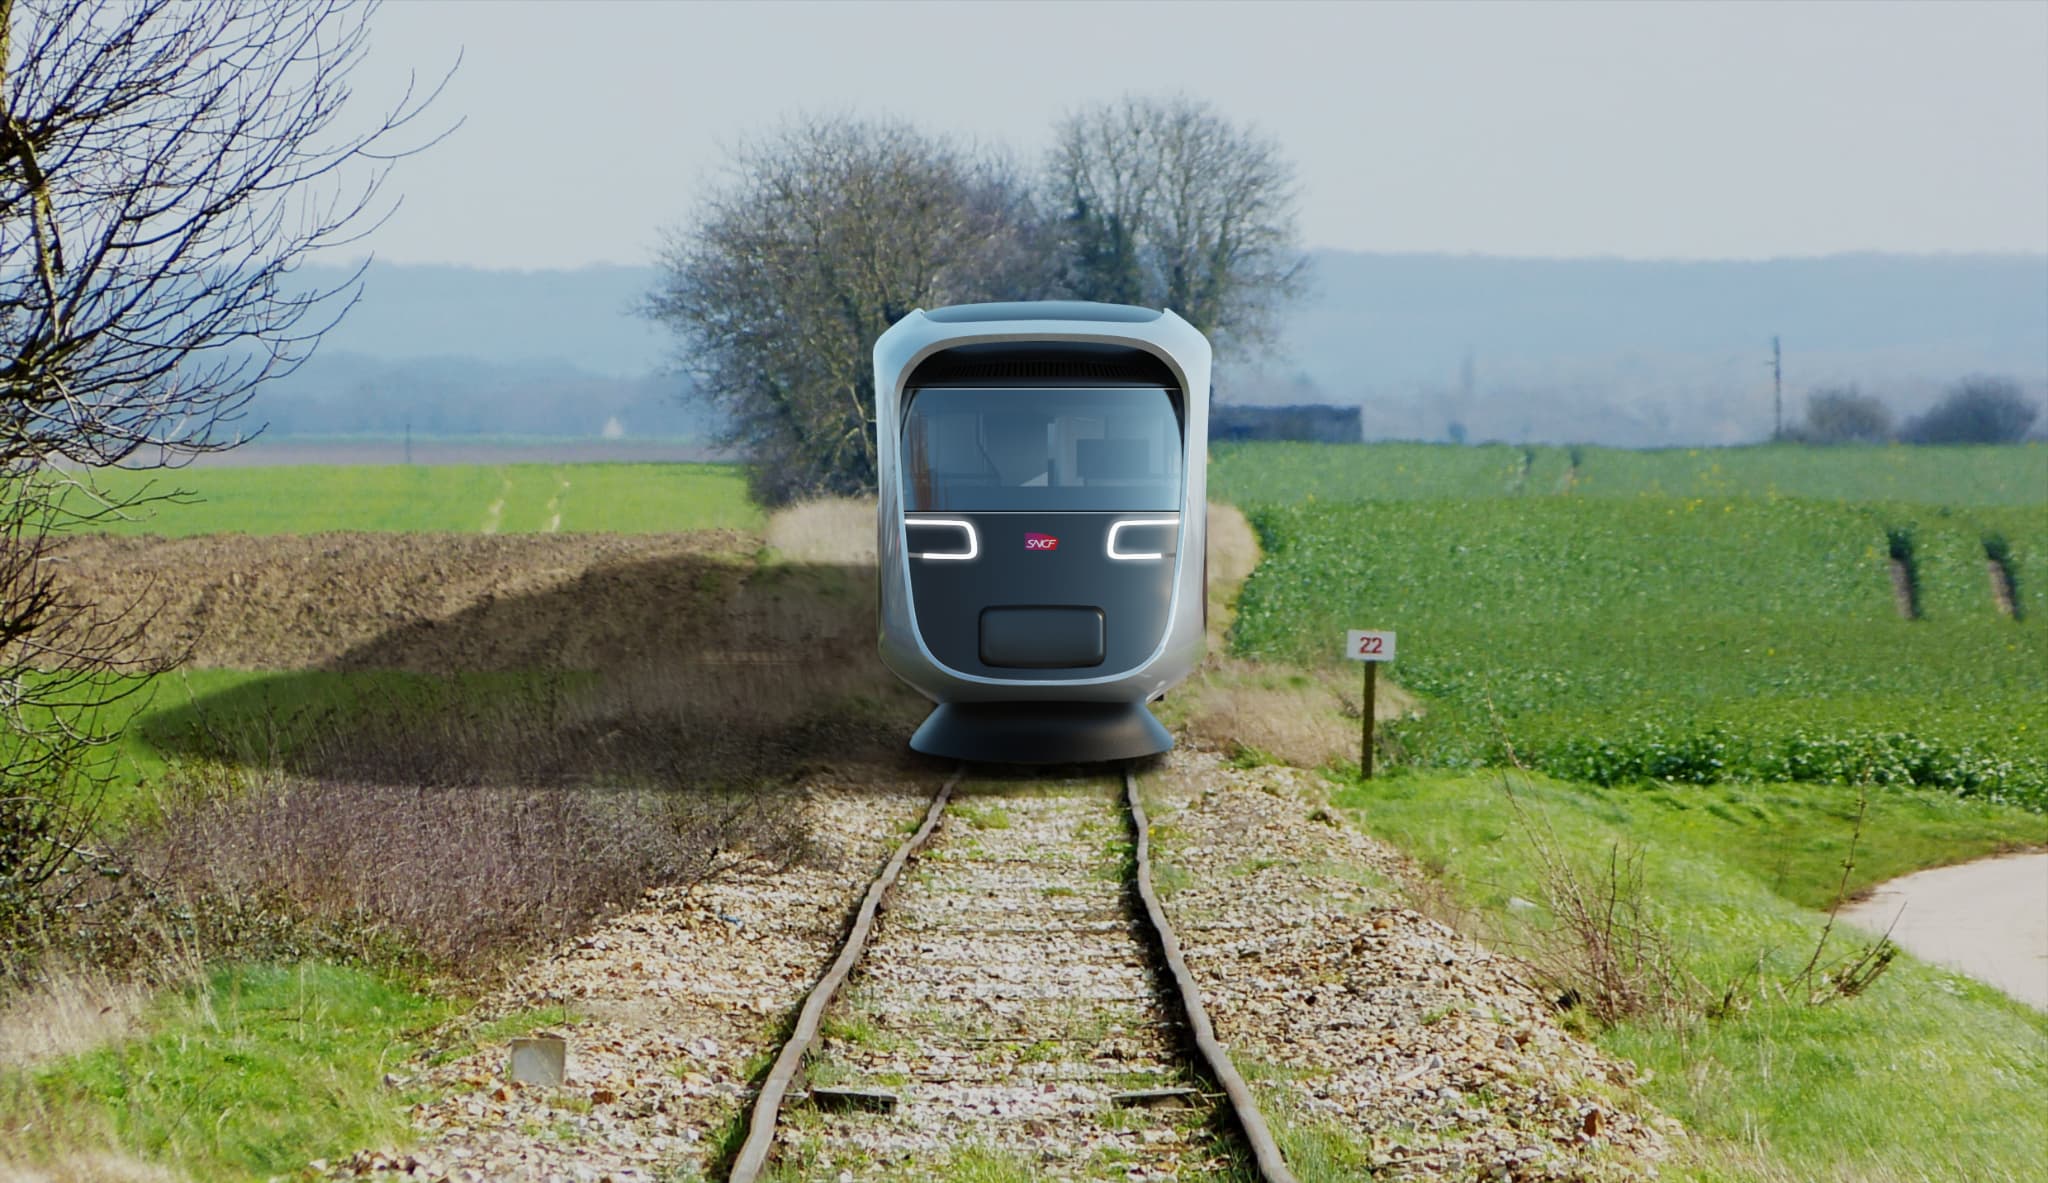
<point>1109,448</point>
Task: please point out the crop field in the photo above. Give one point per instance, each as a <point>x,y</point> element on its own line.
<point>1266,473</point>
<point>1678,638</point>
<point>491,499</point>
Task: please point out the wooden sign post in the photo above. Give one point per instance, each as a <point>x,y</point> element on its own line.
<point>1371,648</point>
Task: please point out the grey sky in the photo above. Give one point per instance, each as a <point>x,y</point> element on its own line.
<point>1654,130</point>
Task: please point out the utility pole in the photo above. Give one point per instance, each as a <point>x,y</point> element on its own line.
<point>1777,391</point>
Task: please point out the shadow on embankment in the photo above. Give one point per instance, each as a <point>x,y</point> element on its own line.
<point>685,669</point>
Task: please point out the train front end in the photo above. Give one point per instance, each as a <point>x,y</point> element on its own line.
<point>1042,525</point>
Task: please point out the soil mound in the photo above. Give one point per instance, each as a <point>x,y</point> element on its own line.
<point>426,602</point>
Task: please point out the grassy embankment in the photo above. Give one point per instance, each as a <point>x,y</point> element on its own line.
<point>1925,1074</point>
<point>251,1068</point>
<point>1691,651</point>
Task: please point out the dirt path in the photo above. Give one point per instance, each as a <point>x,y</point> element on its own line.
<point>1988,919</point>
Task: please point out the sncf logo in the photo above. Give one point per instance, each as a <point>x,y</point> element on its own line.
<point>1041,542</point>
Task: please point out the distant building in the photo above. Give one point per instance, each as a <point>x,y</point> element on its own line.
<point>1320,424</point>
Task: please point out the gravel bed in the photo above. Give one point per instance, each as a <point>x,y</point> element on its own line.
<point>1005,1000</point>
<point>1425,1051</point>
<point>669,1007</point>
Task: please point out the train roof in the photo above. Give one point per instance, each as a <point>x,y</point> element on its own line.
<point>1074,310</point>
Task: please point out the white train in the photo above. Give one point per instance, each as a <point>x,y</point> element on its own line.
<point>1042,525</point>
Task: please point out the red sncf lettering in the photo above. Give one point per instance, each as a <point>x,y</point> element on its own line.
<point>1041,542</point>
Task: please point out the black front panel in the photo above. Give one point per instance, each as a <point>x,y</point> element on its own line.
<point>1042,560</point>
<point>1041,638</point>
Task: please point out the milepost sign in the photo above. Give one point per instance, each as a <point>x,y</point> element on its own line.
<point>1371,646</point>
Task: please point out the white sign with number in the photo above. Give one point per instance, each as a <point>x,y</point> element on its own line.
<point>1367,645</point>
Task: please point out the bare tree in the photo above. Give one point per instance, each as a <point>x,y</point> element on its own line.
<point>1844,415</point>
<point>824,234</point>
<point>1164,202</point>
<point>165,165</point>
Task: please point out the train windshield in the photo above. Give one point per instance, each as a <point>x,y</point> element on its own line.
<point>1108,448</point>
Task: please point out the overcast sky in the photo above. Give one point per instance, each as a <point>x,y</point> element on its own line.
<point>1653,130</point>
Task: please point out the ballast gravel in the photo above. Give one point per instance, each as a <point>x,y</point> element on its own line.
<point>1430,1055</point>
<point>1006,1002</point>
<point>669,1007</point>
<point>1361,1021</point>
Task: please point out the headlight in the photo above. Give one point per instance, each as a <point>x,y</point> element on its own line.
<point>966,543</point>
<point>1116,532</point>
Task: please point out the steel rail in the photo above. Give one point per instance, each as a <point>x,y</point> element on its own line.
<point>1244,1109</point>
<point>753,1155</point>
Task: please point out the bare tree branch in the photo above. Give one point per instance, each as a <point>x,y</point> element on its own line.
<point>823,234</point>
<point>1163,202</point>
<point>165,166</point>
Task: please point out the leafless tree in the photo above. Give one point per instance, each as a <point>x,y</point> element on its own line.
<point>1164,202</point>
<point>1844,415</point>
<point>824,234</point>
<point>165,165</point>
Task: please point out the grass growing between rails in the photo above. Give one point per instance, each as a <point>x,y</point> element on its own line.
<point>247,1075</point>
<point>1679,639</point>
<point>1282,473</point>
<point>1868,1087</point>
<point>508,499</point>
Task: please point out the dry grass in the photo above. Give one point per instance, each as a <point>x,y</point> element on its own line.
<point>835,530</point>
<point>1307,718</point>
<point>65,1010</point>
<point>1233,553</point>
<point>86,1166</point>
<point>462,877</point>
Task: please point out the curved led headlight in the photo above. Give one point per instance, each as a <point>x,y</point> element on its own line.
<point>972,540</point>
<point>1132,523</point>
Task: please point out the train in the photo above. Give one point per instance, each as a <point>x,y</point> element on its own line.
<point>1042,524</point>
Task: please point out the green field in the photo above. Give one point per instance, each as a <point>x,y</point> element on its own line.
<point>1267,473</point>
<point>1676,638</point>
<point>510,499</point>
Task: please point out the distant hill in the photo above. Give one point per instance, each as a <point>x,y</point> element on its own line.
<point>1641,353</point>
<point>1593,350</point>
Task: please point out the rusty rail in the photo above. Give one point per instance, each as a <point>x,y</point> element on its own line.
<point>753,1155</point>
<point>1244,1109</point>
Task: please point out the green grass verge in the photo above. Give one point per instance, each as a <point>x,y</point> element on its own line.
<point>1855,1089</point>
<point>508,498</point>
<point>1279,473</point>
<point>248,1076</point>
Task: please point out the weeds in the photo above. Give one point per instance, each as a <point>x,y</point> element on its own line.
<point>1607,953</point>
<point>1848,976</point>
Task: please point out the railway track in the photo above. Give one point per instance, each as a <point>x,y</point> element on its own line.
<point>1009,1002</point>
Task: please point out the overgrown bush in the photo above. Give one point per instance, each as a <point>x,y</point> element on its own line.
<point>1977,410</point>
<point>450,879</point>
<point>1844,415</point>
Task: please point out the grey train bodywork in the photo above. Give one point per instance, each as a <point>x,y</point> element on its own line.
<point>1042,525</point>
